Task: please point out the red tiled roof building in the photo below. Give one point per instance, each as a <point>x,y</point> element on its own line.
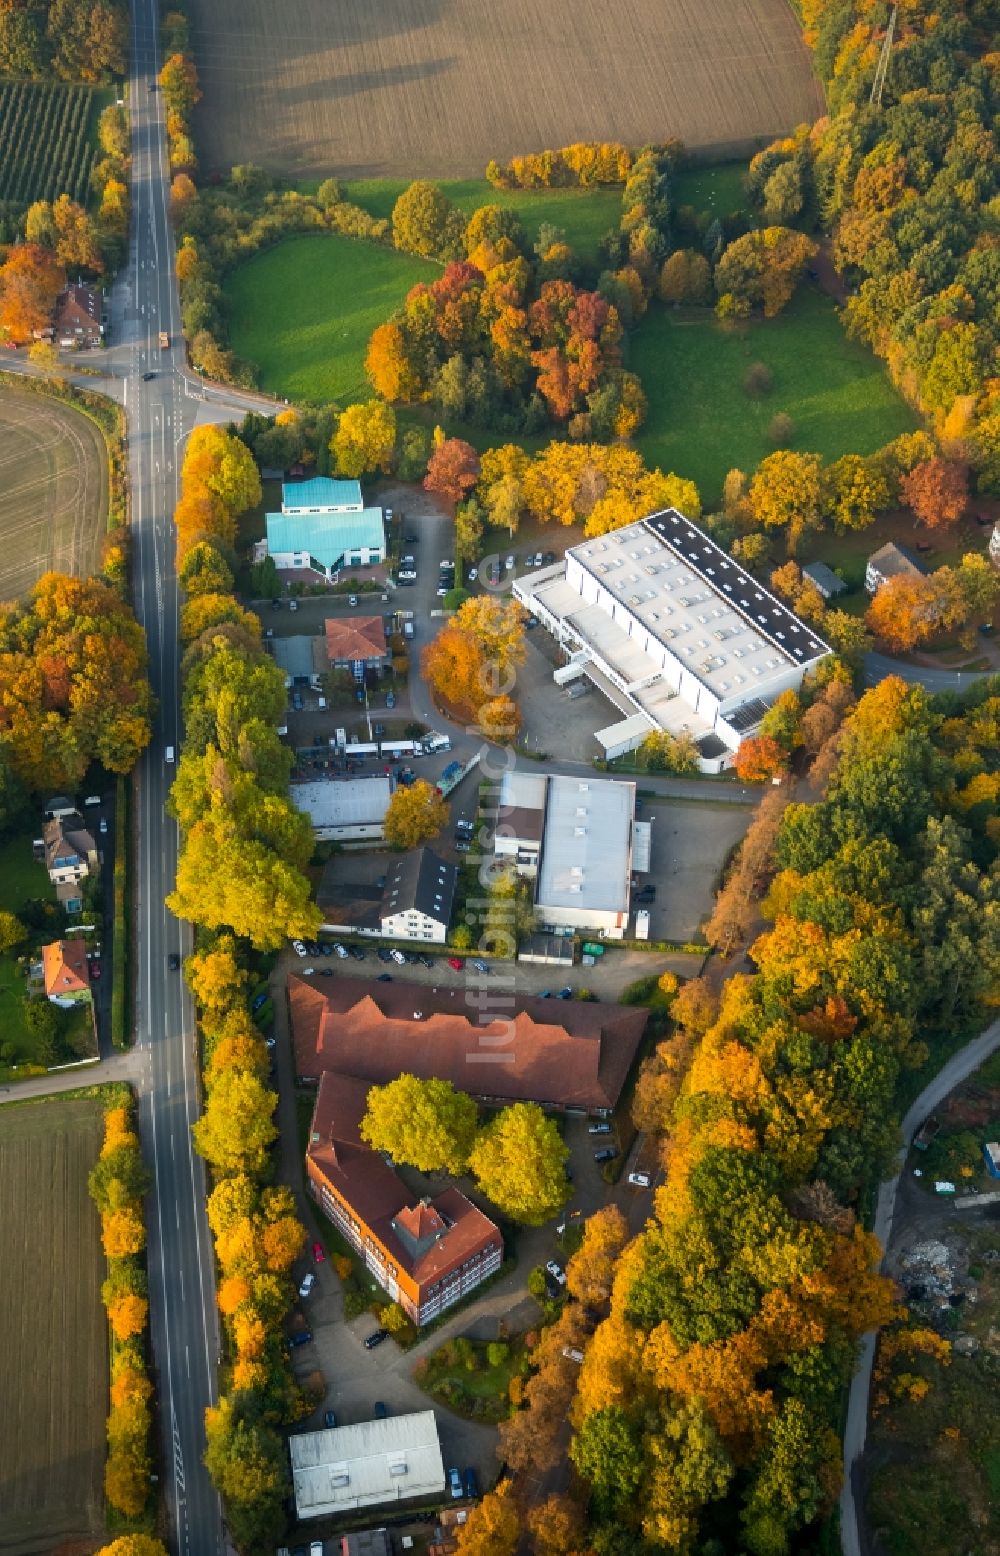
<point>427,1255</point>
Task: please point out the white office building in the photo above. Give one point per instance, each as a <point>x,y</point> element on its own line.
<point>674,632</point>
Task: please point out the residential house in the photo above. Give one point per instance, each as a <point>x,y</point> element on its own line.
<point>78,314</point>
<point>66,972</point>
<point>357,643</point>
<point>673,632</point>
<point>70,854</point>
<point>825,579</point>
<point>560,1053</point>
<point>323,528</point>
<point>343,1468</point>
<point>418,897</point>
<point>891,561</point>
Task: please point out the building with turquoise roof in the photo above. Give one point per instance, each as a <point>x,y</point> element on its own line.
<point>324,528</point>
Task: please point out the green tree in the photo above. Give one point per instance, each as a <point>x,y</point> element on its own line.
<point>424,221</point>
<point>236,1128</point>
<point>365,439</point>
<point>520,1163</point>
<point>468,531</point>
<point>205,570</point>
<point>415,815</point>
<point>425,1123</point>
<point>607,1451</point>
<point>246,1459</point>
<point>12,931</point>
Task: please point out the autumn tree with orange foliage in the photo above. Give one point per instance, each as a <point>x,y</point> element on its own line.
<point>452,470</point>
<point>760,758</point>
<point>31,279</point>
<point>937,490</point>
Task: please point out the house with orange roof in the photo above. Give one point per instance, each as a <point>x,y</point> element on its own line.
<point>66,972</point>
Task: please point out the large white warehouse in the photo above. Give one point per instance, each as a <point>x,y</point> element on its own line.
<point>674,632</point>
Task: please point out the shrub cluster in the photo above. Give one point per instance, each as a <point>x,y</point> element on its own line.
<point>584,164</point>
<point>117,1185</point>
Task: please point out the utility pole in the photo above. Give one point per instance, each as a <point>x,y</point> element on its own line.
<point>883,62</point>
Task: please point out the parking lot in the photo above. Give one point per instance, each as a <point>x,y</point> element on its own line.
<point>691,841</point>
<point>553,724</point>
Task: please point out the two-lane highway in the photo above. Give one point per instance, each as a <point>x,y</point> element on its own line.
<point>182,1289</point>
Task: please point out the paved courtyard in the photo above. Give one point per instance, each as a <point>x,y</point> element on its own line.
<point>691,842</point>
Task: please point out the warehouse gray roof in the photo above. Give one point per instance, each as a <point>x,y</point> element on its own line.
<point>587,844</point>
<point>365,1465</point>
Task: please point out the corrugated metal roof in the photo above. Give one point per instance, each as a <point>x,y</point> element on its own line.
<point>343,802</point>
<point>326,536</point>
<point>321,492</point>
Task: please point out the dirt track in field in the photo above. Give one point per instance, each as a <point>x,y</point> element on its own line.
<point>437,87</point>
<point>53,491</point>
<point>54,1360</point>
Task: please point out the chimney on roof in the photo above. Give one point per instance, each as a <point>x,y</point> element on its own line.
<point>425,1200</point>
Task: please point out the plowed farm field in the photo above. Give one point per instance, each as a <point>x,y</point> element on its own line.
<point>437,87</point>
<point>54,1358</point>
<point>53,491</point>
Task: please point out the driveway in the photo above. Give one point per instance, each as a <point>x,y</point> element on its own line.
<point>690,846</point>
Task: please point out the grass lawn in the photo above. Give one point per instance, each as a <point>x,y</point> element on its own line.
<point>304,310</point>
<point>713,187</point>
<point>701,423</point>
<point>479,1390</point>
<point>584,215</point>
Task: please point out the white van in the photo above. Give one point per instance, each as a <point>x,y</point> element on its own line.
<point>168,755</point>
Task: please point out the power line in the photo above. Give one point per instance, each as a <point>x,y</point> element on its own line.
<point>883,62</point>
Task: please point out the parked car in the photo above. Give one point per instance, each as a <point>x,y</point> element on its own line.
<point>329,1418</point>
<point>147,376</point>
<point>471,1480</point>
<point>276,605</point>
<point>456,963</point>
<point>390,699</point>
<point>355,953</point>
<point>304,1337</point>
<point>375,1338</point>
<point>442,590</point>
<point>473,574</point>
<point>293,605</point>
<point>556,1271</point>
<point>425,961</point>
<point>326,948</point>
<point>315,1548</point>
<point>327,972</point>
<point>531,623</point>
<point>461,847</point>
<point>407,574</point>
<point>174,962</point>
<point>455,1483</point>
<point>308,1282</point>
<point>645,894</point>
<point>640,1180</point>
<point>411,540</point>
<point>480,966</point>
<point>104,825</point>
<point>598,1129</point>
<point>384,954</point>
<point>607,1155</point>
<point>510,562</point>
<point>297,701</point>
<point>384,978</point>
<point>565,994</point>
<point>447,566</point>
<point>259,1000</point>
<point>381,1410</point>
<point>299,948</point>
<point>548,558</point>
<point>318,1253</point>
<point>398,958</point>
<point>95,967</point>
<point>340,950</point>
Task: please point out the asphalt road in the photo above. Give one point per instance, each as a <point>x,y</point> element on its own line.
<point>959,1067</point>
<point>160,414</point>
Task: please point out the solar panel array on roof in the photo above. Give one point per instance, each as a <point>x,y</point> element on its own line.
<point>748,716</point>
<point>766,614</point>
